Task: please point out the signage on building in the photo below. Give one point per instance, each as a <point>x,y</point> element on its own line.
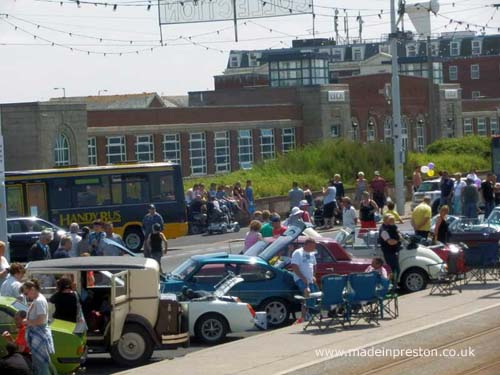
<point>451,94</point>
<point>191,11</point>
<point>336,96</point>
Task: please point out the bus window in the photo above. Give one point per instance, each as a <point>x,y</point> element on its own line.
<point>59,194</point>
<point>136,189</point>
<point>162,188</point>
<point>37,200</point>
<point>15,200</point>
<point>91,191</point>
<point>116,189</point>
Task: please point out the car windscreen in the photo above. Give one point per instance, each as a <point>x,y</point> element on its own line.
<point>184,269</point>
<point>19,306</point>
<point>494,218</point>
<point>274,248</point>
<point>428,186</point>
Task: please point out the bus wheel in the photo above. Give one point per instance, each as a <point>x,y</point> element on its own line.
<point>134,239</point>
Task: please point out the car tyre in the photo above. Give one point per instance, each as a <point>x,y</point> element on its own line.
<point>277,311</point>
<point>414,279</point>
<point>134,347</point>
<point>134,239</point>
<point>211,328</point>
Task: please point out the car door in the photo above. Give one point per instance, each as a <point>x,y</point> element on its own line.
<point>210,274</point>
<point>120,303</point>
<point>20,240</point>
<point>260,282</point>
<point>7,324</point>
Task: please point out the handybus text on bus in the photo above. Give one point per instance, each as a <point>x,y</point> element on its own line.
<point>86,218</point>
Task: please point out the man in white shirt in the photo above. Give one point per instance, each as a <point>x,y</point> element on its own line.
<point>303,266</point>
<point>349,216</point>
<point>75,239</point>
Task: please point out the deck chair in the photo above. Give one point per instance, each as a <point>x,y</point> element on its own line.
<point>363,299</point>
<point>327,307</point>
<point>449,278</point>
<point>482,262</point>
<point>388,297</point>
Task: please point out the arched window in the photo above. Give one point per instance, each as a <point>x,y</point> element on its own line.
<point>388,130</point>
<point>61,151</point>
<point>355,129</point>
<point>420,135</point>
<point>371,130</point>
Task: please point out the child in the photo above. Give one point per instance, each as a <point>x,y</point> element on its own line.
<point>253,235</point>
<point>391,211</point>
<point>377,266</point>
<point>318,213</point>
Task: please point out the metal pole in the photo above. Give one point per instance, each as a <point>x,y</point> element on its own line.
<point>235,20</point>
<point>3,200</point>
<point>396,117</point>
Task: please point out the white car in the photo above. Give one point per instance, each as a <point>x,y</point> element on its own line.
<point>213,315</point>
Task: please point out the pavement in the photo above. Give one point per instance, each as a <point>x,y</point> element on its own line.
<point>425,322</point>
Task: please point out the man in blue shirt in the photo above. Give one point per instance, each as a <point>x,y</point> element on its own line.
<point>446,189</point>
<point>96,237</point>
<point>151,218</point>
<point>249,196</point>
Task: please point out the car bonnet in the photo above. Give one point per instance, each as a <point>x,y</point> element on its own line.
<point>226,285</point>
<point>290,235</point>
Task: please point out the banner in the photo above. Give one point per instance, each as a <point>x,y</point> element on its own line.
<point>174,11</point>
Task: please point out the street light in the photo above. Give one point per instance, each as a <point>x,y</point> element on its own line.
<point>63,90</point>
<point>99,92</point>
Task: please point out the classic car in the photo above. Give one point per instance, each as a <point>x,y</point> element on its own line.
<point>212,315</point>
<point>474,232</point>
<point>69,348</point>
<point>121,302</point>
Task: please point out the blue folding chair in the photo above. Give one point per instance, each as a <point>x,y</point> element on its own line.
<point>482,262</point>
<point>363,297</point>
<point>388,298</point>
<point>327,307</point>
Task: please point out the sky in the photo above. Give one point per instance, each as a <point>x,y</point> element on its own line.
<point>31,67</point>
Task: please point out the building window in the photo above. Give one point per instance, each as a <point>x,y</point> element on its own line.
<point>301,72</point>
<point>388,130</point>
<point>253,60</point>
<point>197,153</point>
<point>115,149</point>
<point>61,151</point>
<point>493,126</point>
<point>481,126</point>
<point>435,48</point>
<point>144,149</point>
<point>467,126</point>
<point>267,144</point>
<point>92,150</point>
<point>221,148</point>
<point>404,134</point>
<point>476,94</point>
<point>357,54</point>
<point>474,71</point>
<point>370,133</point>
<point>420,135</point>
<point>172,148</point>
<point>245,149</point>
<point>411,50</point>
<point>454,48</point>
<point>476,47</point>
<point>337,54</point>
<point>233,63</point>
<point>334,131</point>
<point>453,72</point>
<point>288,139</point>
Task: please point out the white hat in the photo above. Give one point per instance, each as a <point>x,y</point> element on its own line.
<point>296,211</point>
<point>303,203</point>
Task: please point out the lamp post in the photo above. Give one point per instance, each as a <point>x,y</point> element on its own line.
<point>396,116</point>
<point>3,200</point>
<point>63,90</point>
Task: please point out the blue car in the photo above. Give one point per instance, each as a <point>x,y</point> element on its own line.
<point>266,288</point>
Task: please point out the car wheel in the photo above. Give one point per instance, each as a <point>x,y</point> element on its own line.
<point>277,311</point>
<point>195,229</point>
<point>236,228</point>
<point>134,239</point>
<point>414,279</point>
<point>134,347</point>
<point>211,328</point>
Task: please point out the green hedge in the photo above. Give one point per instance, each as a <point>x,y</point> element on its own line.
<point>315,163</point>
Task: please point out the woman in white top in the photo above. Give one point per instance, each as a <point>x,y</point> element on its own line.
<point>12,285</point>
<point>4,264</point>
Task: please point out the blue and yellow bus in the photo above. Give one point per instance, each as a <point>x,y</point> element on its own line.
<point>118,193</point>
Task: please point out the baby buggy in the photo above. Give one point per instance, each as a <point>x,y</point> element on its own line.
<point>220,218</point>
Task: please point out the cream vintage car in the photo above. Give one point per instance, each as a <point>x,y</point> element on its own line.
<point>121,302</point>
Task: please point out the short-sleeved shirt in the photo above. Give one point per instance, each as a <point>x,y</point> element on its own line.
<point>306,262</point>
<point>149,220</point>
<point>421,212</point>
<point>446,187</point>
<point>11,287</point>
<point>295,195</point>
<point>393,213</point>
<point>38,307</point>
<point>331,195</point>
<point>349,217</point>
<point>381,271</point>
<point>66,306</point>
<point>266,230</point>
<point>21,339</point>
<point>279,231</point>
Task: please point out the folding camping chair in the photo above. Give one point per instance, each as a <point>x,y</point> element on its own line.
<point>482,262</point>
<point>363,299</point>
<point>449,277</point>
<point>327,307</point>
<point>388,296</point>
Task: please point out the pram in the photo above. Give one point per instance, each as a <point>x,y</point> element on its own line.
<point>220,217</point>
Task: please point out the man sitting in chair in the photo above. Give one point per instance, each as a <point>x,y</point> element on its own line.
<point>377,266</point>
<point>303,266</point>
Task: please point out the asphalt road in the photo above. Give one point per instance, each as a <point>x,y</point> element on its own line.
<point>180,250</point>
